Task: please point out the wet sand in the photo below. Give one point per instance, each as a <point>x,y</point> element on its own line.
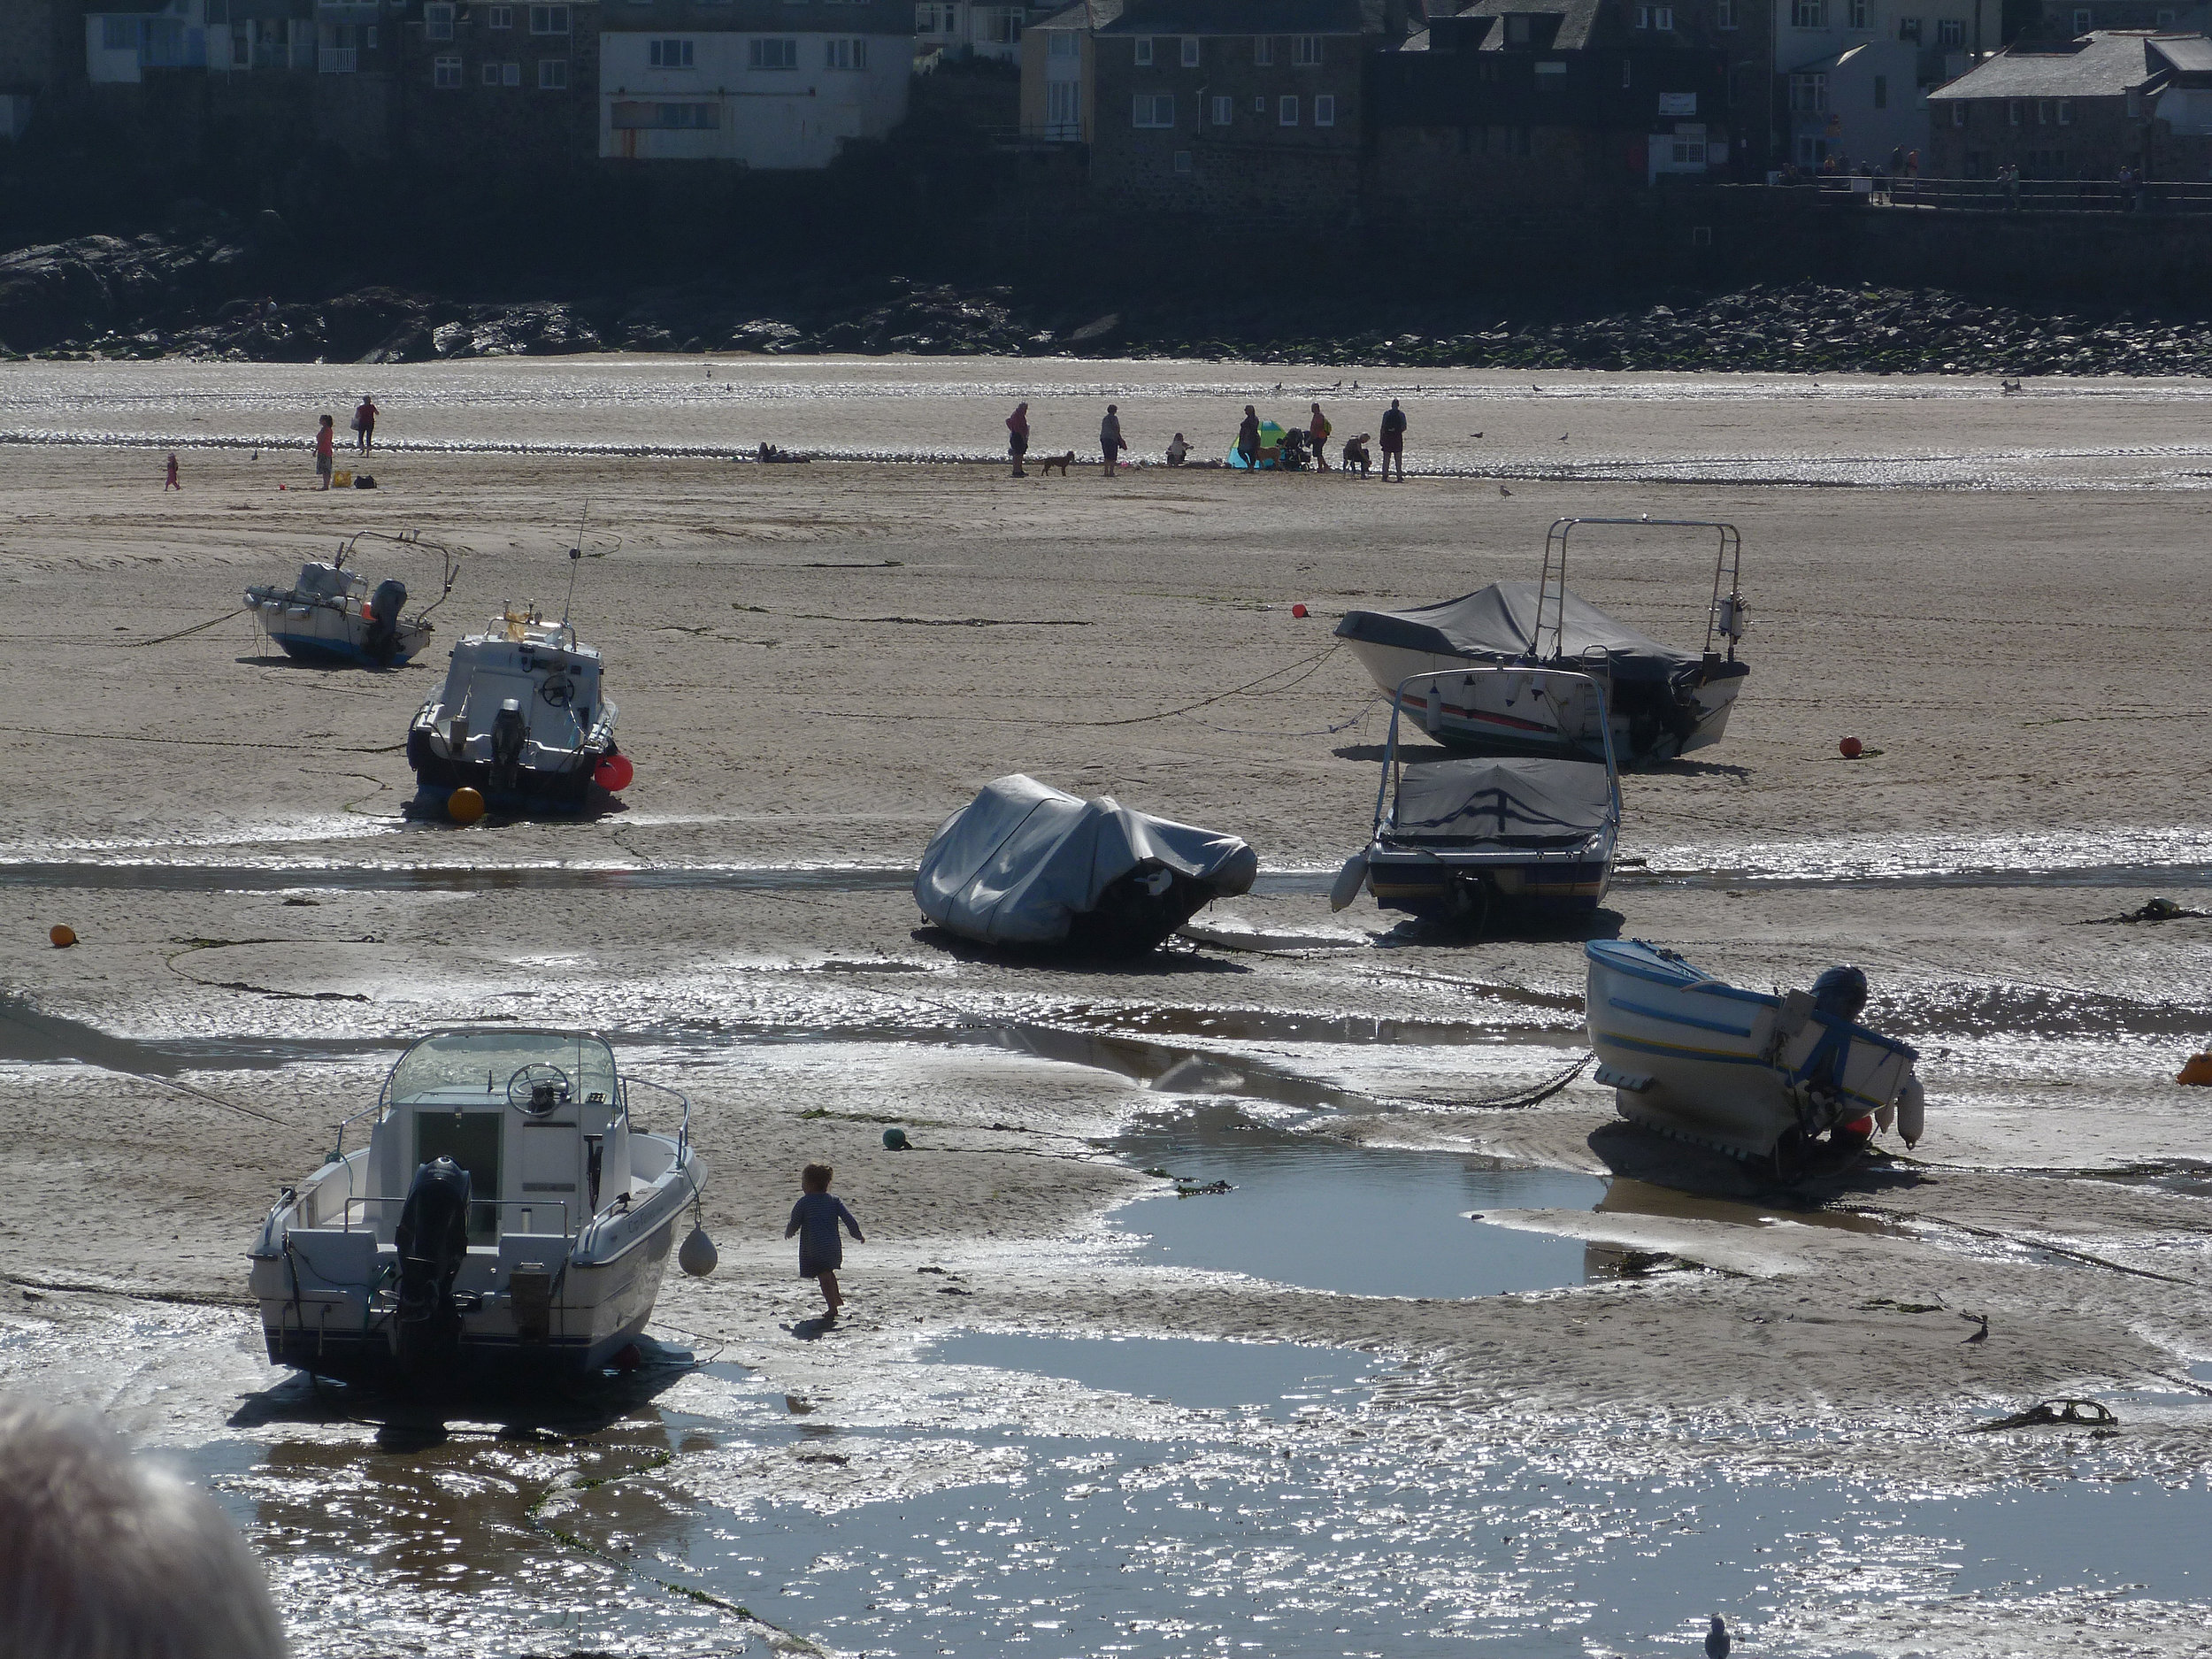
<point>816,664</point>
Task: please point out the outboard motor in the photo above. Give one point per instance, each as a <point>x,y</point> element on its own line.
<point>508,732</point>
<point>434,1241</point>
<point>385,604</point>
<point>1841,992</point>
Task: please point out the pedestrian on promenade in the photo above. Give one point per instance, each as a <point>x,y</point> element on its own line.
<point>815,1219</point>
<point>365,423</point>
<point>169,480</point>
<point>1248,439</point>
<point>1017,437</point>
<point>325,437</point>
<point>1317,437</point>
<point>1109,443</point>
<point>1393,440</point>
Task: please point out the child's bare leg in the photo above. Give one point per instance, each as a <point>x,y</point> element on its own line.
<point>829,1292</point>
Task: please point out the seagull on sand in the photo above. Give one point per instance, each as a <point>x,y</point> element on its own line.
<point>1502,490</point>
<point>1981,1319</point>
<point>1716,1639</point>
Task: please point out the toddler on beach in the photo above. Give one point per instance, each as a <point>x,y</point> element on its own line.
<point>815,1219</point>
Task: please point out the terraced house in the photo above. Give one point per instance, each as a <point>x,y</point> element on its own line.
<point>756,83</point>
<point>1226,106</point>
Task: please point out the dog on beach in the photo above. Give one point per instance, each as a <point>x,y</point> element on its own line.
<point>1063,462</point>
<point>1354,455</point>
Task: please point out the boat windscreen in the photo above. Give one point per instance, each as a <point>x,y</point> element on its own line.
<point>1518,803</point>
<point>483,1061</point>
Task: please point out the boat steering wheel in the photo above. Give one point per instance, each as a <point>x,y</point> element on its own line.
<point>559,690</point>
<point>538,1087</point>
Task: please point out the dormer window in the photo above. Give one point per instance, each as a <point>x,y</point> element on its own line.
<point>1516,31</point>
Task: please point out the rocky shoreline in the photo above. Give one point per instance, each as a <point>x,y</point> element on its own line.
<point>215,296</point>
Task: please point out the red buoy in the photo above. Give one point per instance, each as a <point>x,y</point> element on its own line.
<point>1297,610</point>
<point>1851,747</point>
<point>613,774</point>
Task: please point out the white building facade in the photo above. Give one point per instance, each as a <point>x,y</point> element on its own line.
<point>768,84</point>
<point>1857,73</point>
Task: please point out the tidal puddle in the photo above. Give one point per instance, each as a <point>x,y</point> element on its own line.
<point>1276,1380</point>
<point>1362,1221</point>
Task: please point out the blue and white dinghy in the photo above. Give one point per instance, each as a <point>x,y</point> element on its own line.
<point>506,1215</point>
<point>329,615</point>
<point>1787,1080</point>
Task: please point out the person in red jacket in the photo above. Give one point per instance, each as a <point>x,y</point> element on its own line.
<point>325,437</point>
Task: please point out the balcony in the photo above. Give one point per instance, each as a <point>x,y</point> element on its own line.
<point>338,60</point>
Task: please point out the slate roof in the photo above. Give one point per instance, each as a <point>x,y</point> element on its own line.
<point>1084,14</point>
<point>2189,54</point>
<point>2106,64</point>
<point>1248,17</point>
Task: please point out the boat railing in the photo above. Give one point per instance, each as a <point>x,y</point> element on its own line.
<point>449,556</point>
<point>338,1152</point>
<point>683,1131</point>
<point>490,1203</point>
<point>1551,591</point>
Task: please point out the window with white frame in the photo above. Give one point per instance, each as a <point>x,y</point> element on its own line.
<point>1063,43</point>
<point>2065,112</point>
<point>368,36</point>
<point>2043,115</point>
<point>499,17</point>
<point>1190,51</point>
<point>437,22</point>
<point>1808,93</point>
<point>1908,30</point>
<point>1224,112</point>
<point>1858,14</point>
<point>1809,14</point>
<point>670,54</point>
<point>2082,20</point>
<point>1002,25</point>
<point>1144,49</point>
<point>1264,51</point>
<point>552,74</point>
<point>1259,104</point>
<point>1659,17</point>
<point>445,71</point>
<point>936,19</point>
<point>1286,111</point>
<point>771,54</point>
<point>1305,51</point>
<point>1324,110</point>
<point>1724,14</point>
<point>1154,109</point>
<point>1063,102</point>
<point>548,20</point>
<point>845,52</point>
<point>1950,32</point>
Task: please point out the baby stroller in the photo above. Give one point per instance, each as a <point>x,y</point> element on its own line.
<point>1295,457</point>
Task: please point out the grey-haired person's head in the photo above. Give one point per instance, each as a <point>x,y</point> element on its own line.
<point>105,1555</point>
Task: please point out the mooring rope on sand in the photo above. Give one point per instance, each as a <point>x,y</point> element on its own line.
<point>197,627</point>
<point>1519,1100</point>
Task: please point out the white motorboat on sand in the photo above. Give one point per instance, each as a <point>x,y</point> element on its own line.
<point>329,615</point>
<point>507,1214</point>
<point>1663,702</point>
<point>1792,1079</point>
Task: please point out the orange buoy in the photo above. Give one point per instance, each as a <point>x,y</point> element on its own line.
<point>62,935</point>
<point>613,774</point>
<point>1297,610</point>
<point>2196,1069</point>
<point>464,805</point>
<point>1851,748</point>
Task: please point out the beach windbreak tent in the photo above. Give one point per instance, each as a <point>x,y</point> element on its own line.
<point>1270,447</point>
<point>1021,861</point>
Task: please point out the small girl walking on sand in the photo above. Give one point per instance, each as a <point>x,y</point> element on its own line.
<point>815,1219</point>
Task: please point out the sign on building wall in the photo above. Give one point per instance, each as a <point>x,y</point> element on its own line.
<point>1678,104</point>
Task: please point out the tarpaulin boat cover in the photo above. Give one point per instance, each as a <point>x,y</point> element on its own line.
<point>1022,860</point>
<point>1500,623</point>
<point>1519,803</point>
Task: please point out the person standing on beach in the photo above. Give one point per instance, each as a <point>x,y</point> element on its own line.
<point>169,480</point>
<point>1109,443</point>
<point>1017,436</point>
<point>365,422</point>
<point>1318,437</point>
<point>815,1219</point>
<point>1248,439</point>
<point>1393,440</point>
<point>325,437</point>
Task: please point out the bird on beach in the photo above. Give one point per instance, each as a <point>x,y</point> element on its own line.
<point>1981,1319</point>
<point>1717,1643</point>
<point>1355,386</point>
<point>1563,437</point>
<point>1502,490</point>
<point>1338,387</point>
<point>1474,434</point>
<point>1279,387</point>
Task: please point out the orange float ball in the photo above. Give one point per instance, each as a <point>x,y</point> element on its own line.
<point>464,805</point>
<point>613,774</point>
<point>1851,747</point>
<point>62,935</point>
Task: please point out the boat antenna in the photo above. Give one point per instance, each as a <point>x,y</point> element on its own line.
<point>575,561</point>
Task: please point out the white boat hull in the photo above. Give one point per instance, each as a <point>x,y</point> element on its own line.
<point>1734,1070</point>
<point>323,632</point>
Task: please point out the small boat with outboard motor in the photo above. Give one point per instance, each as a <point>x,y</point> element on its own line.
<point>522,723</point>
<point>1466,838</point>
<point>330,615</point>
<point>507,1211</point>
<point>1791,1080</point>
<point>1663,702</point>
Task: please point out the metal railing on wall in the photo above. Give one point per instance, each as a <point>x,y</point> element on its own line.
<point>1993,196</point>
